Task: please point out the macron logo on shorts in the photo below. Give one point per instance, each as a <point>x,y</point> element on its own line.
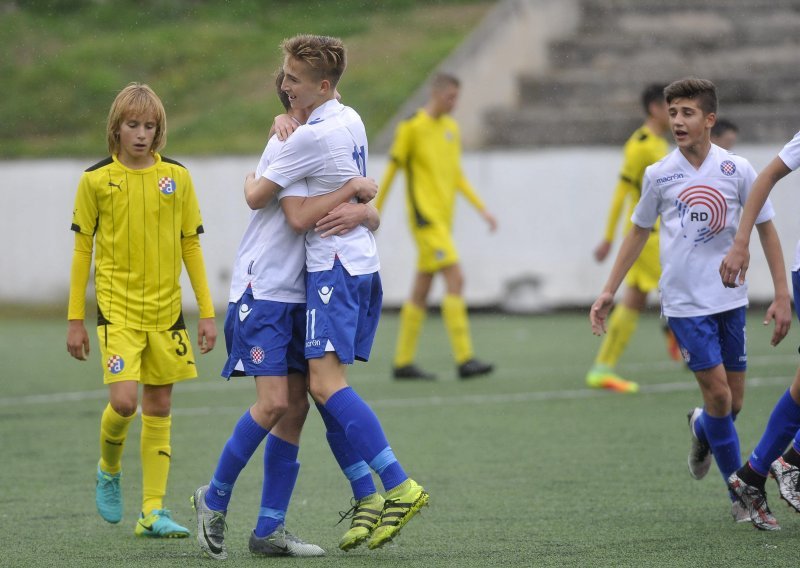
<point>325,294</point>
<point>244,311</point>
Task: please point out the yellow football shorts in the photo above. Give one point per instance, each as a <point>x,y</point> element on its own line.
<point>646,271</point>
<point>435,248</point>
<point>149,357</point>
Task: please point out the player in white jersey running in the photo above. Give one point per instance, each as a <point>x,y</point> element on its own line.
<point>343,291</point>
<point>784,421</point>
<point>264,332</point>
<point>699,190</point>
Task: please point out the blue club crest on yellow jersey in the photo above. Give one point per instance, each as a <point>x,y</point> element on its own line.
<point>166,185</point>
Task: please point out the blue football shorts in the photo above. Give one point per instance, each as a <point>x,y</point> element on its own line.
<point>796,290</point>
<point>264,338</point>
<point>342,313</point>
<point>707,341</point>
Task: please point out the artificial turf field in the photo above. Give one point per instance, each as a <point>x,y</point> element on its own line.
<point>526,468</point>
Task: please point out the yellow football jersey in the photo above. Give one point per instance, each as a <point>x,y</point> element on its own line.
<point>137,218</point>
<point>642,149</point>
<point>428,150</point>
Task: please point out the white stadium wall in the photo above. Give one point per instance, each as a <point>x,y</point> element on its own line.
<point>551,206</point>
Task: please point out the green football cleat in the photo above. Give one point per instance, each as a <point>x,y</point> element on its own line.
<point>402,503</point>
<point>108,495</point>
<point>365,513</point>
<point>159,524</point>
<point>609,380</point>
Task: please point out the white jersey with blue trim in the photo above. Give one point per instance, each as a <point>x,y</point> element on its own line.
<point>790,155</point>
<point>271,257</point>
<point>700,211</point>
<point>327,151</point>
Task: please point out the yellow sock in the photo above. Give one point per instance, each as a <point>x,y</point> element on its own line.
<point>156,454</point>
<point>411,319</point>
<point>113,431</point>
<point>454,313</point>
<point>621,325</point>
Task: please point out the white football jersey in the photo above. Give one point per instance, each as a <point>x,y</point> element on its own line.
<point>700,210</point>
<point>271,255</point>
<point>790,155</point>
<point>327,151</point>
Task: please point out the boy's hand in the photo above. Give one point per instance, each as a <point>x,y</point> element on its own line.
<point>366,190</point>
<point>77,340</point>
<point>284,125</point>
<point>206,334</point>
<point>599,312</point>
<point>735,263</point>
<point>343,218</point>
<point>490,219</point>
<point>779,310</point>
<point>602,250</point>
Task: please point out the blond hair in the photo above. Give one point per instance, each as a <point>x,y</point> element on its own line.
<point>326,56</point>
<point>137,99</point>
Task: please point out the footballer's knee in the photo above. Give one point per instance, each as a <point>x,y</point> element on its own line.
<point>737,403</point>
<point>124,406</point>
<point>271,410</point>
<point>299,406</point>
<point>718,401</point>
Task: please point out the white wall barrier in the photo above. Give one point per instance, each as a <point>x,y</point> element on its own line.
<point>551,206</point>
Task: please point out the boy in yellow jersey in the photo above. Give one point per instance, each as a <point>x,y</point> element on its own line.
<point>140,213</point>
<point>427,147</point>
<point>645,146</point>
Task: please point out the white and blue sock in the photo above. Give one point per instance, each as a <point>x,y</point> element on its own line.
<point>365,434</point>
<point>246,436</point>
<point>354,468</point>
<point>724,442</point>
<point>280,474</point>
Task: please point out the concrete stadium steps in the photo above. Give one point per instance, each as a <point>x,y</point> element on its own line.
<point>581,88</point>
<point>605,125</point>
<point>590,92</point>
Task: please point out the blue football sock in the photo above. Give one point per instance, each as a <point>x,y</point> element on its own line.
<point>354,468</point>
<point>246,436</point>
<point>724,442</point>
<point>365,434</point>
<point>783,424</point>
<point>280,474</point>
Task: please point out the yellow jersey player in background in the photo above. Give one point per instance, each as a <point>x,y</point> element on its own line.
<point>139,213</point>
<point>645,146</point>
<point>427,147</point>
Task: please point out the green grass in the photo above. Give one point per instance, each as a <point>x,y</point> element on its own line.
<point>526,468</point>
<point>211,62</point>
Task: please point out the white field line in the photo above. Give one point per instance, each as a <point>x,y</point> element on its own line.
<point>431,401</point>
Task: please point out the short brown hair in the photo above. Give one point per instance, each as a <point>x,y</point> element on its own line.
<point>136,99</point>
<point>326,56</point>
<point>282,96</point>
<point>442,80</point>
<point>702,91</point>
